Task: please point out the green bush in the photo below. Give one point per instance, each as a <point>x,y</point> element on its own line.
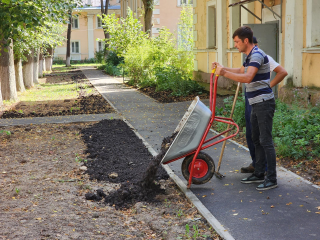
<point>238,114</point>
<point>114,59</point>
<point>296,131</point>
<point>58,60</point>
<point>99,56</point>
<point>111,69</point>
<point>172,79</point>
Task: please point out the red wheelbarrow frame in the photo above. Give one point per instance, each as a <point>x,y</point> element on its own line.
<point>213,97</point>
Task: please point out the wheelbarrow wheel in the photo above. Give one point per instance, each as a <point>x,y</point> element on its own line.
<point>203,168</point>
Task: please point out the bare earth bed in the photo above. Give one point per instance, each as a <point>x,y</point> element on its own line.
<point>48,170</point>
<point>43,190</point>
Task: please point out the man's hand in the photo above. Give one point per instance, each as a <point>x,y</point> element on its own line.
<point>220,70</point>
<point>215,65</point>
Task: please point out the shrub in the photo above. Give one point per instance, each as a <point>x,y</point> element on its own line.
<point>296,131</point>
<point>114,59</point>
<point>99,56</point>
<point>112,70</point>
<point>172,79</point>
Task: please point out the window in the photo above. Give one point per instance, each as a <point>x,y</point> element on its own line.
<point>75,47</point>
<point>100,46</point>
<point>75,22</point>
<point>99,22</point>
<point>184,2</point>
<point>313,26</point>
<point>211,27</point>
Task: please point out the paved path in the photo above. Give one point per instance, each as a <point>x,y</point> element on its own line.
<point>287,212</point>
<point>237,211</point>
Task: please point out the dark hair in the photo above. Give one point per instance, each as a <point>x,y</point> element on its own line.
<point>254,40</point>
<point>243,33</point>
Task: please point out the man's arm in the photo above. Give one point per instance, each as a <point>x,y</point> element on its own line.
<point>238,77</point>
<point>234,70</point>
<point>281,74</point>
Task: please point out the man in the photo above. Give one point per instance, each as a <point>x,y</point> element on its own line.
<point>255,73</point>
<point>280,75</point>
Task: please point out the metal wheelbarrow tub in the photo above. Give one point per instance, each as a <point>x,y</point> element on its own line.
<point>190,130</point>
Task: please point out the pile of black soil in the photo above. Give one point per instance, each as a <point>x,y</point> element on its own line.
<point>138,185</point>
<point>116,154</point>
<point>92,104</point>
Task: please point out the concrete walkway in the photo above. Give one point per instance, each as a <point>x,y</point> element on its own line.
<point>235,210</point>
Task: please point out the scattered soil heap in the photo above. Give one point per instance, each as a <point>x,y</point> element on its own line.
<point>145,189</point>
<point>91,104</point>
<point>137,184</point>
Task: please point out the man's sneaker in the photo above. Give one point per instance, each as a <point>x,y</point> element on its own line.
<point>266,185</point>
<point>249,169</point>
<point>253,179</point>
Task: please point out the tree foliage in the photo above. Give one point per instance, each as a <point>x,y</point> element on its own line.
<point>21,15</point>
<point>123,33</point>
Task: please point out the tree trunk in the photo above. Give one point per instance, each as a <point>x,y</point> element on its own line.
<point>1,103</point>
<point>49,59</point>
<point>40,72</point>
<point>69,40</point>
<point>105,31</point>
<point>148,6</point>
<point>19,77</point>
<point>36,66</point>
<point>7,73</point>
<point>43,63</point>
<point>27,72</point>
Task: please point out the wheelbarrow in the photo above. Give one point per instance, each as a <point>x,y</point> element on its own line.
<point>198,167</point>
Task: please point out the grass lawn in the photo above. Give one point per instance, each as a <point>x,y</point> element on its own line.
<point>53,87</point>
<point>76,65</point>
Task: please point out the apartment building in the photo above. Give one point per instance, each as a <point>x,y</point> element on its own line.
<point>166,13</point>
<point>86,30</point>
<point>288,30</point>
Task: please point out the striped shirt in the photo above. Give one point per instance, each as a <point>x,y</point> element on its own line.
<point>259,89</point>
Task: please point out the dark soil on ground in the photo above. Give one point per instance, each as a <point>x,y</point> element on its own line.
<point>114,148</point>
<point>48,169</point>
<point>166,97</point>
<point>43,183</point>
<point>125,160</point>
<point>92,103</point>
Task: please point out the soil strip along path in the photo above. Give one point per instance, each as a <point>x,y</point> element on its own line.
<point>289,212</point>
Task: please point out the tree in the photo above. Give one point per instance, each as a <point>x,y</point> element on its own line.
<point>104,11</point>
<point>123,33</point>
<point>148,10</point>
<point>17,16</point>
<point>7,73</point>
<point>69,39</point>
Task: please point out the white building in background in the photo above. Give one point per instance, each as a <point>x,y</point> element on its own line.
<point>86,29</point>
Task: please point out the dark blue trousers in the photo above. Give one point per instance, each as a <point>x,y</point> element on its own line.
<point>250,143</point>
<point>249,132</point>
<point>261,125</point>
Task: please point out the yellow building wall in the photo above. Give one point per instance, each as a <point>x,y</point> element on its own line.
<point>201,26</point>
<point>212,58</point>
<point>202,61</point>
<point>236,60</point>
<point>311,69</point>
